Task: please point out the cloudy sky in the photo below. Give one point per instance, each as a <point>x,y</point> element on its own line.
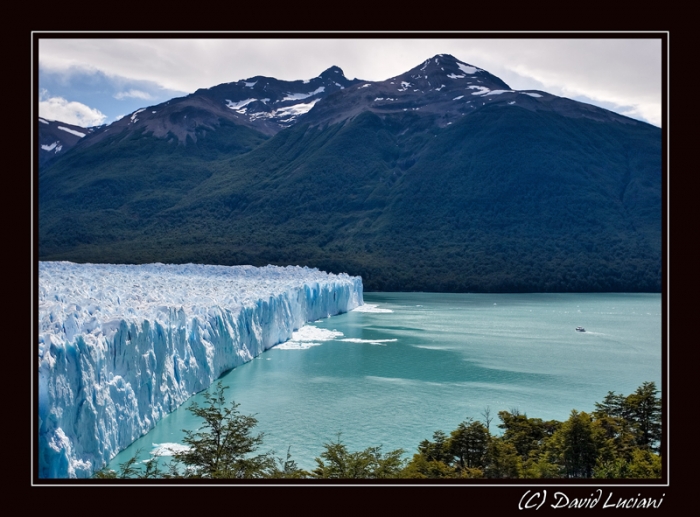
<point>94,81</point>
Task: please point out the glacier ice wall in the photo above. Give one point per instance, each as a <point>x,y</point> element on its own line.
<point>121,346</point>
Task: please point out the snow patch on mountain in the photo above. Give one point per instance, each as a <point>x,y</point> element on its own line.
<point>481,90</point>
<point>468,69</point>
<point>121,346</point>
<point>71,131</point>
<point>237,105</point>
<point>300,96</point>
<point>295,110</point>
<point>134,119</point>
<point>52,146</point>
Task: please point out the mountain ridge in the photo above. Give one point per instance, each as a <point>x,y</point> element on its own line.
<point>441,178</point>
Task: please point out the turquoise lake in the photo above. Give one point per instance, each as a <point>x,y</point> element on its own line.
<point>419,362</point>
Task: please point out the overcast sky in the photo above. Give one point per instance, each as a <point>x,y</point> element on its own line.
<point>94,81</point>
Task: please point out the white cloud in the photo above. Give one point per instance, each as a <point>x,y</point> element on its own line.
<point>133,94</point>
<point>76,113</point>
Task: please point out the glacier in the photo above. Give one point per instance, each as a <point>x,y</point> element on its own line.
<point>121,346</point>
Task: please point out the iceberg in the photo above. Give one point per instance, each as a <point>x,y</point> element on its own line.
<point>121,346</point>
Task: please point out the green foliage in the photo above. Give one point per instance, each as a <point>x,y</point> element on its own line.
<point>502,460</point>
<point>568,205</point>
<point>526,434</point>
<point>420,467</point>
<point>575,445</point>
<point>223,445</point>
<point>286,469</point>
<point>131,470</point>
<point>469,443</point>
<point>639,414</point>
<point>336,462</point>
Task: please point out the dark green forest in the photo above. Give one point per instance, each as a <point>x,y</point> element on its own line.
<point>622,438</point>
<point>503,200</point>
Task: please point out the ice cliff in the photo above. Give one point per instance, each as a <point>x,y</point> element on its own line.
<point>121,346</point>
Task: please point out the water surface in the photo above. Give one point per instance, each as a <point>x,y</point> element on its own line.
<point>393,378</point>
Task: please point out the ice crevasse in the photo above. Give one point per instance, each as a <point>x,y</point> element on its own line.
<point>121,346</point>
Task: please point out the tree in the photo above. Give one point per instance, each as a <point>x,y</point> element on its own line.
<point>469,442</point>
<point>645,415</point>
<point>502,460</point>
<point>221,447</point>
<point>337,462</point>
<point>526,434</point>
<point>576,445</point>
<point>640,411</point>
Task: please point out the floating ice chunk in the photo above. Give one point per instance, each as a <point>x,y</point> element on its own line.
<point>368,341</point>
<point>368,307</point>
<point>311,333</point>
<point>295,345</point>
<point>168,449</point>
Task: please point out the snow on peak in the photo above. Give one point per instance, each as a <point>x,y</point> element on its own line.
<point>531,94</point>
<point>72,131</point>
<point>133,115</point>
<point>498,92</point>
<point>299,96</point>
<point>467,69</point>
<point>42,120</point>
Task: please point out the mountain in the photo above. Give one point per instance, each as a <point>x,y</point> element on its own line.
<point>263,104</point>
<point>439,179</point>
<point>55,138</point>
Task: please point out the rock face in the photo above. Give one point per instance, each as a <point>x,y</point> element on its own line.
<point>122,346</point>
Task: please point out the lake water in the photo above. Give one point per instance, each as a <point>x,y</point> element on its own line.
<point>419,362</point>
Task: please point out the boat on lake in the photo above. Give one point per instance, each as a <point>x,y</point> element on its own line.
<point>580,329</point>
